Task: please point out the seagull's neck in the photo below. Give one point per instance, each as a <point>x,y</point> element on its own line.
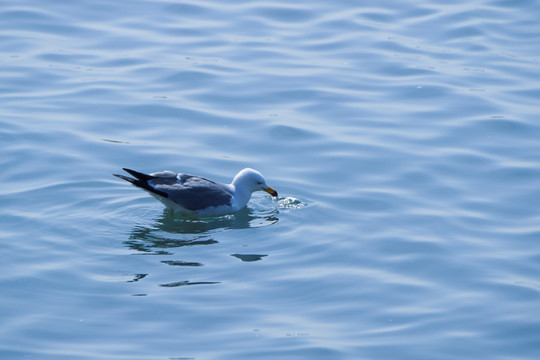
<point>241,195</point>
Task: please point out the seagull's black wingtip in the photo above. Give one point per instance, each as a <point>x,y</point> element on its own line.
<point>138,175</point>
<point>141,181</point>
<point>131,180</point>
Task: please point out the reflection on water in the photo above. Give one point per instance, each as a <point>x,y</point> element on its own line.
<point>164,233</point>
<point>248,257</point>
<point>150,241</point>
<point>187,283</point>
<point>181,263</point>
<point>172,232</point>
<point>137,277</point>
<point>175,231</point>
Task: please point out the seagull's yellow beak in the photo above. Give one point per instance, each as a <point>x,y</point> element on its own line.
<point>271,191</point>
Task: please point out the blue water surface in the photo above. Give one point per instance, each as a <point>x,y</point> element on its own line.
<point>403,138</point>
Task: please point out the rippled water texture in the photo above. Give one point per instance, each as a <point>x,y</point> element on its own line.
<point>402,137</point>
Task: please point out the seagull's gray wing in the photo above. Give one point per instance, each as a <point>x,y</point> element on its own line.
<point>193,192</point>
<point>189,191</point>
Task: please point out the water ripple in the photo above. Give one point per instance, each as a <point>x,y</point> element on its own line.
<point>402,137</point>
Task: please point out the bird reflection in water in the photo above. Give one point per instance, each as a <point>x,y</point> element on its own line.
<point>171,232</point>
<point>174,231</point>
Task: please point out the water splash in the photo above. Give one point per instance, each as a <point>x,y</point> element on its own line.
<point>290,202</point>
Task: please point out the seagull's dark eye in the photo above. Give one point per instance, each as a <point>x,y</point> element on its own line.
<point>259,183</point>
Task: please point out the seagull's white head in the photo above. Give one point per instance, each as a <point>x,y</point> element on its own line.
<point>252,180</point>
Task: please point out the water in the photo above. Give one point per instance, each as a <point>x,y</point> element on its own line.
<point>402,138</point>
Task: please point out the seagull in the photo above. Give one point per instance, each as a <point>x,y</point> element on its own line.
<point>195,195</point>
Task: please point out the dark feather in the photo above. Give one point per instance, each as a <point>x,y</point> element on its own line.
<point>196,193</point>
<point>191,192</point>
<point>141,181</point>
<point>139,175</point>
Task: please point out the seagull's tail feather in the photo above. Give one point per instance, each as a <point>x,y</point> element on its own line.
<point>141,181</point>
<point>131,180</point>
<point>138,175</point>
